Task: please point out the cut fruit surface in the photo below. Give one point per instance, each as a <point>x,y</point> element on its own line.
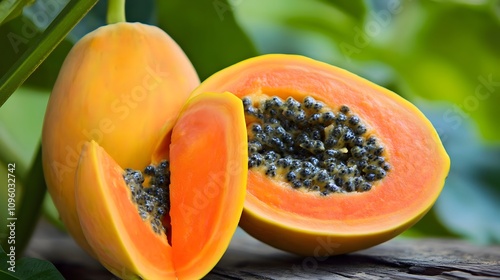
<point>208,170</point>
<point>300,220</point>
<point>121,240</point>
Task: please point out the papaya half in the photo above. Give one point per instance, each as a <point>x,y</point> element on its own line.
<point>122,86</point>
<point>336,163</point>
<point>205,175</point>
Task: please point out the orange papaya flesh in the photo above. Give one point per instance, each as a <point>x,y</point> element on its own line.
<point>303,221</point>
<point>122,86</point>
<point>208,154</point>
<point>208,175</point>
<point>126,245</point>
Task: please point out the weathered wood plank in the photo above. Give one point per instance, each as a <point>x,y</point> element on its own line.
<point>247,258</point>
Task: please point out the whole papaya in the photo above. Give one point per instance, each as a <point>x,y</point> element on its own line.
<point>121,86</point>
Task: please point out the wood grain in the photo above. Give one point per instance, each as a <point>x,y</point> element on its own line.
<point>247,258</point>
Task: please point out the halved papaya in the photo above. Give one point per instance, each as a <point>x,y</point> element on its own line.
<point>208,175</point>
<point>336,163</point>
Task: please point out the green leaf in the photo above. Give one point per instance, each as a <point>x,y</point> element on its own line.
<point>354,8</point>
<point>51,214</point>
<point>314,28</point>
<point>430,226</point>
<point>12,9</point>
<point>19,139</point>
<point>207,32</point>
<point>27,268</point>
<point>453,55</point>
<point>21,119</point>
<point>469,203</point>
<point>39,47</point>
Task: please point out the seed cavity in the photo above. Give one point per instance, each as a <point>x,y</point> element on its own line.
<point>150,192</point>
<point>313,147</point>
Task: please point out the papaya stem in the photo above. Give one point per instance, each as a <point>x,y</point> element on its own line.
<point>116,11</point>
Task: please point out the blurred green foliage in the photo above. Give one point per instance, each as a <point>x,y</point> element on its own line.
<point>212,40</point>
<point>443,56</point>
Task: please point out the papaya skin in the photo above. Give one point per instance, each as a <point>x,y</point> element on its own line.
<point>208,164</point>
<point>122,86</point>
<point>312,225</point>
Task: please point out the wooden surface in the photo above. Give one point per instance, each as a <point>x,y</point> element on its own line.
<point>247,258</point>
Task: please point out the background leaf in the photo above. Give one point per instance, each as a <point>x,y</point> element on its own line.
<point>468,205</point>
<point>354,8</point>
<point>207,32</point>
<point>20,132</point>
<point>12,9</point>
<point>437,50</point>
<point>19,33</point>
<point>310,28</point>
<point>322,30</point>
<point>28,269</point>
<point>27,47</point>
<point>40,46</point>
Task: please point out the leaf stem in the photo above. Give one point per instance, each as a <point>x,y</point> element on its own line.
<point>116,11</point>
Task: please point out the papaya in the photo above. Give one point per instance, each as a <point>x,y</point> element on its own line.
<point>336,162</point>
<point>122,86</point>
<point>207,174</point>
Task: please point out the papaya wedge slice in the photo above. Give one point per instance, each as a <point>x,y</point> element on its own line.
<point>208,167</point>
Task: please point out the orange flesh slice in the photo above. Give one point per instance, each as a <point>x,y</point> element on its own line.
<point>123,243</point>
<point>208,161</point>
